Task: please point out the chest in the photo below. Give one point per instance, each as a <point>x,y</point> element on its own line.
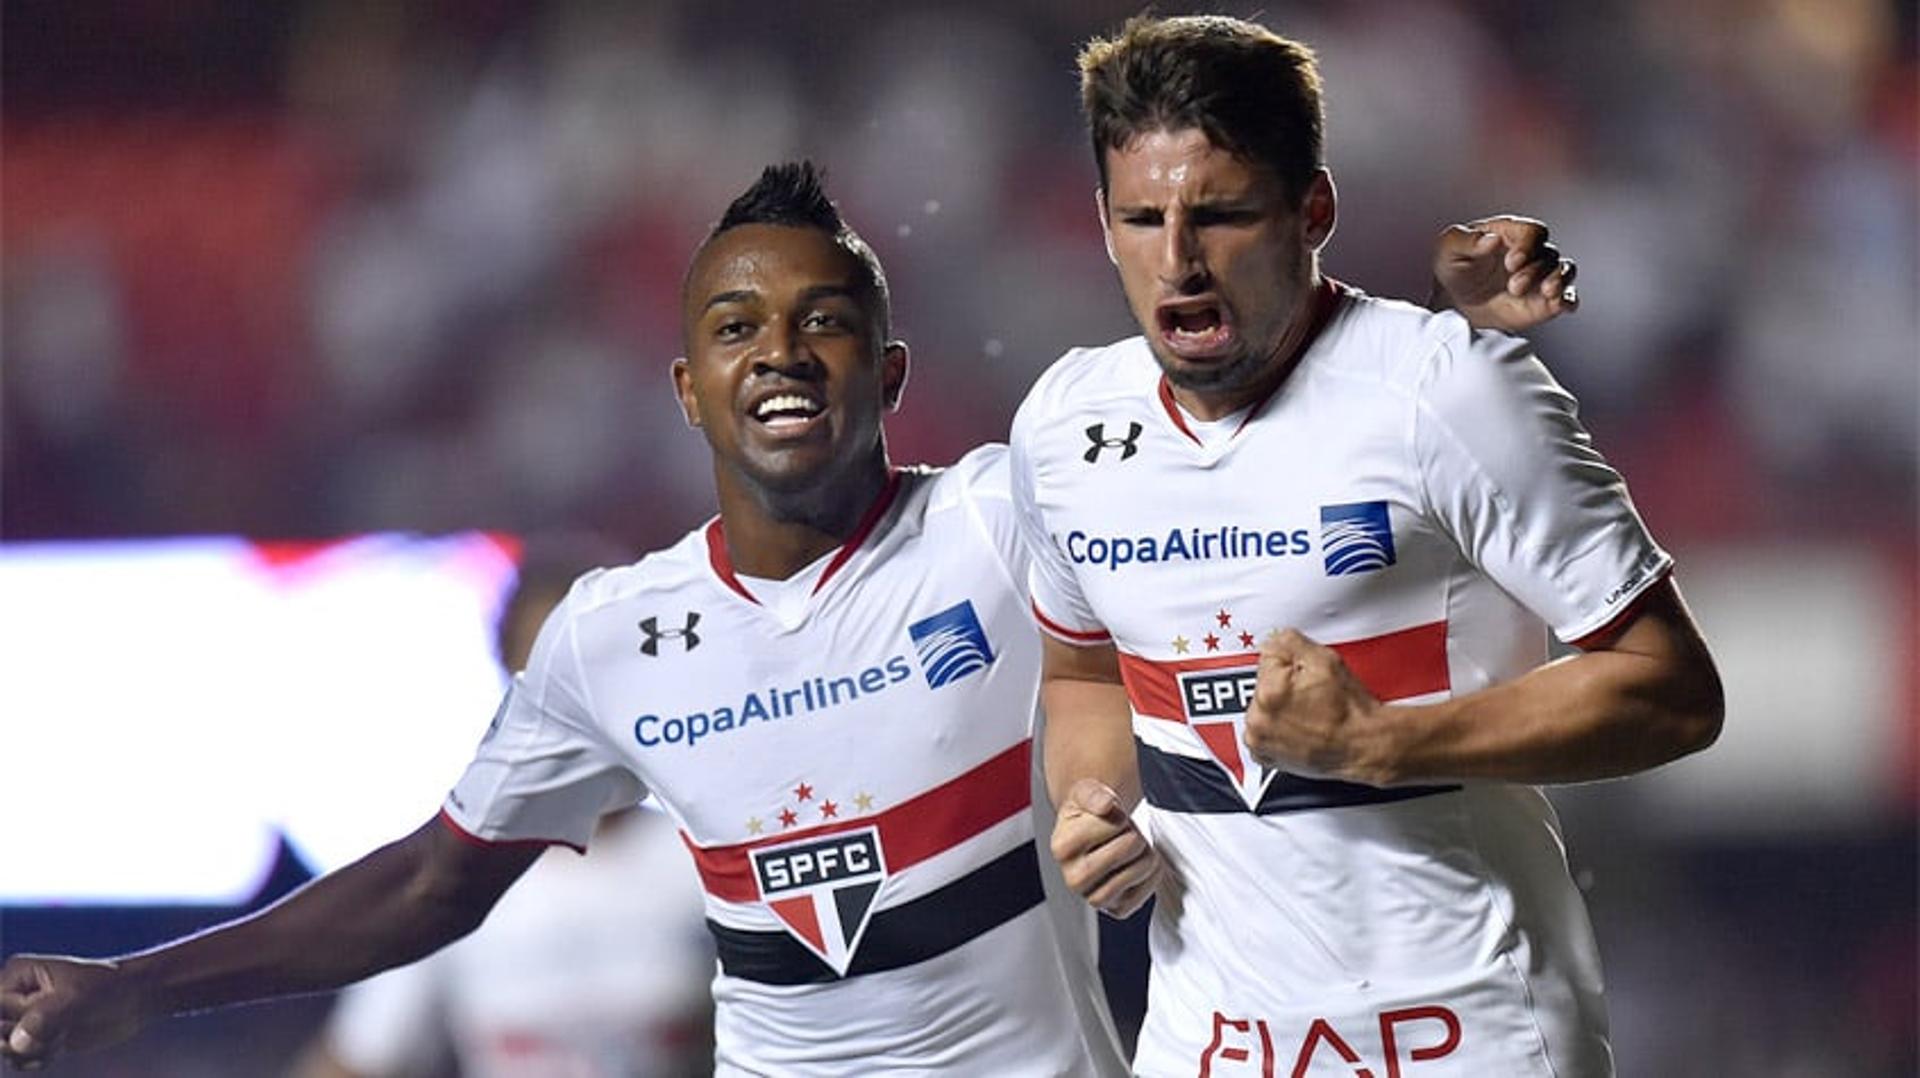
<point>1311,516</point>
<point>892,682</point>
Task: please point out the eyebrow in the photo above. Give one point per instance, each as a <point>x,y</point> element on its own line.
<point>829,291</point>
<point>1244,200</point>
<point>808,295</point>
<point>738,295</point>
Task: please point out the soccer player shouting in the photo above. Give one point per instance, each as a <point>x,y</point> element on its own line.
<point>1304,546</point>
<point>830,687</point>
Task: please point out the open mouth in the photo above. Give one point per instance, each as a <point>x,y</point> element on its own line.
<point>786,411</point>
<point>1195,329</point>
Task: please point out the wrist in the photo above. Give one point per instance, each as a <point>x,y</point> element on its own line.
<point>1378,761</point>
<point>142,983</point>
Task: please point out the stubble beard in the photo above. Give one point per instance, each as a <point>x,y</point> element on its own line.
<point>1241,372</point>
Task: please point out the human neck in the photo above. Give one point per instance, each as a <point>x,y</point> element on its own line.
<point>774,535</point>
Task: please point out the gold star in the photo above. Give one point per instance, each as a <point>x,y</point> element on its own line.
<point>1180,644</point>
<point>863,801</point>
<point>1272,637</point>
<point>754,825</point>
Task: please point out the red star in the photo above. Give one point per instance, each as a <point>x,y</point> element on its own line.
<point>1225,619</point>
<point>1246,639</point>
<point>1212,641</point>
<point>828,810</point>
<point>803,791</point>
<point>788,818</point>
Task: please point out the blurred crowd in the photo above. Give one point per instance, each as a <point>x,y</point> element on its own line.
<point>307,269</point>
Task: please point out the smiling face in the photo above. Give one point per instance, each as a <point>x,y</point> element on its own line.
<point>1218,264</point>
<point>787,371</point>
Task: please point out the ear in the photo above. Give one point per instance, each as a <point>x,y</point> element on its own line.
<point>1319,209</point>
<point>1106,230</point>
<point>893,373</point>
<point>683,388</point>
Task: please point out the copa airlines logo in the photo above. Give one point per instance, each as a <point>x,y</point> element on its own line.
<point>822,889</point>
<point>951,644</point>
<point>811,695</point>
<point>1195,543</point>
<point>1356,537</point>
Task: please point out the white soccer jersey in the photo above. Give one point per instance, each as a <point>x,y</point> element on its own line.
<point>855,781</point>
<point>1422,499</point>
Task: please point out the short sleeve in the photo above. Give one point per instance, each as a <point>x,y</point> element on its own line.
<point>1059,606</point>
<point>1510,471</point>
<point>543,772</point>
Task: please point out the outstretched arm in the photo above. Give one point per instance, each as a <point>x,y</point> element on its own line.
<point>399,903</point>
<point>1502,273</point>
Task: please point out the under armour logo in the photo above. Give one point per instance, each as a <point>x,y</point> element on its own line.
<point>1097,434</point>
<point>684,634</point>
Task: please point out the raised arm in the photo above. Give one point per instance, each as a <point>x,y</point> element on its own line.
<point>399,903</point>
<point>1093,779</point>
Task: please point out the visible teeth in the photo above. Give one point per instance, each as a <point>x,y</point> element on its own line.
<point>1196,321</point>
<point>786,403</point>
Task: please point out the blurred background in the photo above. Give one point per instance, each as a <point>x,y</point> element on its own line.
<point>304,271</point>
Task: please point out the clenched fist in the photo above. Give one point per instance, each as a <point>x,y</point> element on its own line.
<point>1102,854</point>
<point>52,1006</point>
<point>1311,716</point>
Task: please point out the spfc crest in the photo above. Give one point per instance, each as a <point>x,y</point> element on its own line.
<point>822,888</point>
<point>1214,700</point>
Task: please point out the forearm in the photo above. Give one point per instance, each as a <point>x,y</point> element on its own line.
<point>1089,734</point>
<point>1595,716</point>
<point>384,910</point>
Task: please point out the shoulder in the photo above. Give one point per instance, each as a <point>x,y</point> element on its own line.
<point>1434,357</point>
<point>982,472</point>
<point>1084,377</point>
<point>977,482</point>
<point>666,569</point>
<point>1386,340</point>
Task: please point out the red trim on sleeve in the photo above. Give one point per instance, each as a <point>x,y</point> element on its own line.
<point>1054,627</point>
<point>472,839</point>
<point>1617,624</point>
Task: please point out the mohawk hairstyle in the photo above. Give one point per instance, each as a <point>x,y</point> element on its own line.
<point>793,194</point>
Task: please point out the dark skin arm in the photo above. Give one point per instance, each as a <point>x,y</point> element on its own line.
<point>397,904</point>
<point>1502,273</point>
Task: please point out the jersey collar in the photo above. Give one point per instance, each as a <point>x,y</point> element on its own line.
<point>722,562</point>
<point>1325,300</point>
